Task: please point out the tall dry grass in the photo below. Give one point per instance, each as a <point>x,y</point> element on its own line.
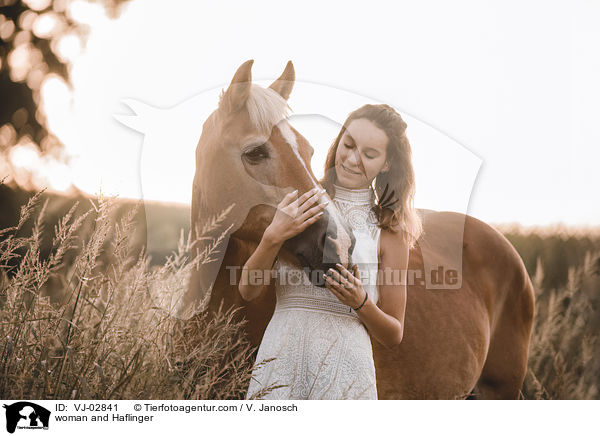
<point>564,360</point>
<point>110,333</point>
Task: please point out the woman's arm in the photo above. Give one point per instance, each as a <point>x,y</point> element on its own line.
<point>293,215</point>
<point>384,320</point>
<point>261,260</point>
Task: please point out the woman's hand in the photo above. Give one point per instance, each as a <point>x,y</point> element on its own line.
<point>346,285</point>
<point>295,214</point>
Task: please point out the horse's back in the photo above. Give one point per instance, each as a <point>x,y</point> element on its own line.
<point>448,332</point>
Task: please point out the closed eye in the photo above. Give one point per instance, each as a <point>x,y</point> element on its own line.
<point>368,156</point>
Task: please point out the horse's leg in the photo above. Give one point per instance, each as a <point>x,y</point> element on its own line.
<point>506,362</point>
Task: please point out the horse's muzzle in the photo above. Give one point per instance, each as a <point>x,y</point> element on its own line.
<point>321,246</point>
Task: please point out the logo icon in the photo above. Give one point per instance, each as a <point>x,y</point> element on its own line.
<point>446,184</point>
<point>26,415</point>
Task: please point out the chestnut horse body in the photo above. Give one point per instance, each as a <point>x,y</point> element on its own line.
<point>468,338</point>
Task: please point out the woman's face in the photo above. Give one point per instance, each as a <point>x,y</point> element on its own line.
<point>361,154</point>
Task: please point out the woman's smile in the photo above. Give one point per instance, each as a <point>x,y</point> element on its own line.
<point>356,173</point>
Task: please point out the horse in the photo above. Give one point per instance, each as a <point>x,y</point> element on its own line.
<point>467,338</point>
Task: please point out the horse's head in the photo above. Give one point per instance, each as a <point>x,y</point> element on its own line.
<point>250,156</point>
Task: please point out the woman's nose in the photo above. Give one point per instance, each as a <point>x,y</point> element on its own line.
<point>353,159</point>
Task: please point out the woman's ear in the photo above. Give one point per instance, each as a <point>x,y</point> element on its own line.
<point>385,168</point>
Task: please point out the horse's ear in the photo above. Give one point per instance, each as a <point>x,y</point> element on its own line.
<point>239,89</point>
<point>283,86</point>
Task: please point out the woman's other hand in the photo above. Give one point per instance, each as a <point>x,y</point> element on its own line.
<point>346,285</point>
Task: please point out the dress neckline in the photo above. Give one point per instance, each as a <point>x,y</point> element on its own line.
<point>357,196</point>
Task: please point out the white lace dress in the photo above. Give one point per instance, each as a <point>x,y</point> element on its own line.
<point>321,348</point>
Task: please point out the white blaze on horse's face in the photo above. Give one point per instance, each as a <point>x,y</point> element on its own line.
<point>342,241</point>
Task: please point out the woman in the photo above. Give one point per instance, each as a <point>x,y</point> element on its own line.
<point>319,337</point>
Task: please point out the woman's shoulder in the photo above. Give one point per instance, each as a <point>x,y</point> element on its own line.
<point>392,242</point>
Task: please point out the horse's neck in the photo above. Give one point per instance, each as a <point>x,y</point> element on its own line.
<point>257,312</point>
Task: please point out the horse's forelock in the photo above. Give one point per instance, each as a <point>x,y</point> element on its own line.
<point>266,108</point>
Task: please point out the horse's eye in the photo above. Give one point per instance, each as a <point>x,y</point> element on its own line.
<point>256,154</point>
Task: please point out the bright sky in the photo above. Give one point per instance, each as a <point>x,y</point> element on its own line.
<point>508,85</point>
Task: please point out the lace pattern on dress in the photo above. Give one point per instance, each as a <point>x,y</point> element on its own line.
<point>321,348</point>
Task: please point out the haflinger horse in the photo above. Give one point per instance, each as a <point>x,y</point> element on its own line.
<point>471,341</point>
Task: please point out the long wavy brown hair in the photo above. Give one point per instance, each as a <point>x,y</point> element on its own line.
<point>395,188</point>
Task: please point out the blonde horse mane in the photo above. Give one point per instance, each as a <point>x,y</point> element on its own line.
<point>266,108</point>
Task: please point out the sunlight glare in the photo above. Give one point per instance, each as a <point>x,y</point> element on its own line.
<point>27,19</point>
<point>46,24</point>
<point>87,13</point>
<point>56,98</point>
<point>68,47</point>
<point>20,62</point>
<point>32,170</point>
<point>7,28</point>
<point>37,5</point>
